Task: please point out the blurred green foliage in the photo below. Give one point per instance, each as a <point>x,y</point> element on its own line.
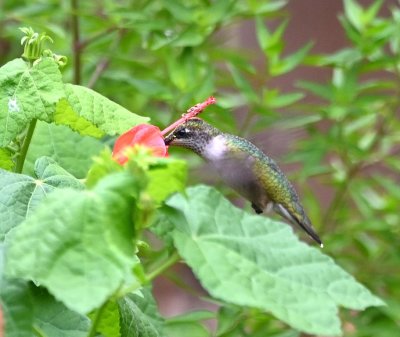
<point>156,58</point>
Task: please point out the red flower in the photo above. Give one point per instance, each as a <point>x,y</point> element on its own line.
<point>151,137</point>
<point>145,135</point>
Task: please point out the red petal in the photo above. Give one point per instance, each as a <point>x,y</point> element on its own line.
<point>144,134</point>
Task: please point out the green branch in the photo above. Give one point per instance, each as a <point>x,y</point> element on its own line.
<point>25,146</point>
<point>164,266</point>
<point>96,320</point>
<point>76,41</point>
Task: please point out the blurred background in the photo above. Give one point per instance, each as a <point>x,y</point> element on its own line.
<point>315,84</point>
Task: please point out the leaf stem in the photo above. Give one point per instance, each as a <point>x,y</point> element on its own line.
<point>25,146</point>
<point>96,320</point>
<point>168,263</point>
<point>38,332</point>
<point>76,41</point>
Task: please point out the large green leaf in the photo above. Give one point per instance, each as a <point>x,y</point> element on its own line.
<point>71,150</point>
<point>27,93</point>
<point>15,304</point>
<point>103,113</point>
<point>54,319</point>
<point>79,243</point>
<point>254,261</point>
<point>139,316</point>
<point>21,194</point>
<point>65,115</point>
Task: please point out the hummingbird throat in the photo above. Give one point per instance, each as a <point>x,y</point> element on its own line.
<point>215,149</point>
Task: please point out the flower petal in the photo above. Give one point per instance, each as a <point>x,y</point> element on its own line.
<point>144,135</point>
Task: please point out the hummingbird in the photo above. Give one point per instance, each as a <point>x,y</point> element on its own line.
<point>246,169</point>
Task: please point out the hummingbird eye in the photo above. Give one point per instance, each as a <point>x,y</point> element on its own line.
<point>182,133</point>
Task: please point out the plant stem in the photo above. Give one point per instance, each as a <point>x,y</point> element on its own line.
<point>25,146</point>
<point>105,61</point>
<point>96,320</point>
<point>352,172</point>
<point>168,263</point>
<point>38,332</point>
<point>100,68</point>
<point>76,41</point>
<point>246,124</point>
<point>84,43</point>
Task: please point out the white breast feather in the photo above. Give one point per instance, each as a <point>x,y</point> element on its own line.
<point>215,149</point>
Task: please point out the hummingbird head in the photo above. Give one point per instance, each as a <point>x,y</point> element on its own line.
<point>193,134</point>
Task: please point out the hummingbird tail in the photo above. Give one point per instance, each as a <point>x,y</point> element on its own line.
<point>303,223</point>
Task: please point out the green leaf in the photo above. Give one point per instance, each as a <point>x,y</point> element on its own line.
<point>165,175</point>
<point>103,164</point>
<point>188,324</point>
<point>184,329</point>
<point>71,150</point>
<point>324,91</point>
<point>263,35</point>
<point>218,12</point>
<point>251,260</point>
<point>79,242</point>
<point>191,316</point>
<point>54,319</point>
<point>65,115</point>
<point>243,85</point>
<point>181,12</point>
<point>109,325</point>
<point>274,99</point>
<point>165,178</point>
<point>27,93</point>
<point>271,43</point>
<point>139,316</point>
<point>6,161</point>
<point>354,13</point>
<point>103,113</point>
<point>15,304</point>
<point>21,194</point>
<point>298,121</point>
<point>290,62</point>
<point>258,7</point>
<point>191,37</point>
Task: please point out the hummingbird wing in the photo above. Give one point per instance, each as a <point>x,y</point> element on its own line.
<point>283,195</point>
<point>301,221</point>
<point>259,179</point>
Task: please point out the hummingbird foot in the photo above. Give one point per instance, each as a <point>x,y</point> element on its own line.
<point>257,209</point>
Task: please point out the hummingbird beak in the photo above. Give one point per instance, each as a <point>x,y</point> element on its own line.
<point>169,138</point>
